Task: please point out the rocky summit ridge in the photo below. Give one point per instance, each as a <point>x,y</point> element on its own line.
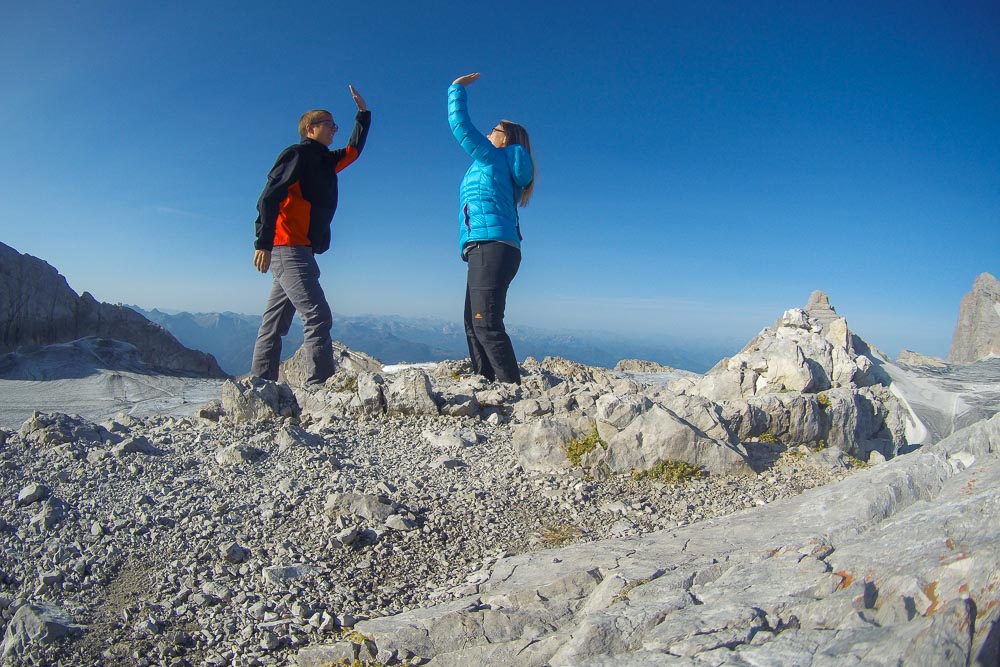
<point>39,308</point>
<point>427,516</point>
<point>977,333</point>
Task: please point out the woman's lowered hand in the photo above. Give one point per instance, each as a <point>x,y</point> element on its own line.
<point>467,79</point>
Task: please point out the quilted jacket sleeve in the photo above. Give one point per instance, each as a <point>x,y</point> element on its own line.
<point>469,138</point>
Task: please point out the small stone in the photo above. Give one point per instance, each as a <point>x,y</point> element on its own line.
<point>32,494</point>
<point>50,578</point>
<point>400,522</point>
<point>269,641</point>
<point>348,536</point>
<point>233,552</point>
<point>257,611</point>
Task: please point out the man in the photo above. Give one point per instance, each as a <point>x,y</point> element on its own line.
<point>293,226</point>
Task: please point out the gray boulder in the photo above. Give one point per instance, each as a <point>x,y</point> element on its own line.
<point>294,371</point>
<point>347,393</point>
<point>294,436</point>
<point>367,506</point>
<point>282,575</point>
<point>911,358</point>
<point>541,444</point>
<point>253,398</point>
<point>792,418</point>
<point>860,422</point>
<point>40,624</point>
<point>238,454</point>
<point>410,393</point>
<point>136,445</point>
<point>32,493</point>
<point>564,370</point>
<point>659,434</point>
<point>459,405</point>
<point>369,400</point>
<point>641,366</point>
<point>619,410</point>
<point>52,512</point>
<point>855,421</point>
<point>56,428</point>
<point>529,408</point>
<point>232,552</point>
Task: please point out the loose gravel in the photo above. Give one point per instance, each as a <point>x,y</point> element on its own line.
<point>218,544</point>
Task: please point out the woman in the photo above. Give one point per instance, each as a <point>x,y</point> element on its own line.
<point>500,179</point>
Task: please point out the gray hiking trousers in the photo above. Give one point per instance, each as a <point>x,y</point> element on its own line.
<point>296,288</point>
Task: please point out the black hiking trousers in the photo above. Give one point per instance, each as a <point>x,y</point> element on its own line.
<point>492,267</point>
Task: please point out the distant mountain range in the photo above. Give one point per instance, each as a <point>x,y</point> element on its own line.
<point>229,337</point>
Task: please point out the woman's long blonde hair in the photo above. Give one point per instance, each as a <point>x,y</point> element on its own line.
<point>516,134</point>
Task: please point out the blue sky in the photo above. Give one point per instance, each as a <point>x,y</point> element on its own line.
<point>702,166</point>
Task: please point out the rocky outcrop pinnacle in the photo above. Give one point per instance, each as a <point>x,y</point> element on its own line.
<point>38,307</point>
<point>977,334</point>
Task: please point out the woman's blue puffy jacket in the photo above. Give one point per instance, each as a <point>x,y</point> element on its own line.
<point>493,184</point>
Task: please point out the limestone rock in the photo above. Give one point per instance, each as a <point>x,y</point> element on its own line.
<point>620,410</point>
<point>541,444</point>
<point>808,350</point>
<point>34,624</point>
<point>31,494</point>
<point>660,435</point>
<point>410,393</point>
<point>48,517</point>
<point>641,366</point>
<point>293,371</point>
<point>857,422</point>
<point>253,398</point>
<point>792,419</point>
<point>341,653</point>
<point>238,454</point>
<point>977,333</point>
<point>911,358</point>
<point>529,408</point>
<point>369,400</point>
<point>136,445</point>
<point>367,506</point>
<point>570,371</point>
<point>281,575</point>
<point>294,435</point>
<point>459,405</point>
<point>703,415</point>
<point>51,429</point>
<point>233,552</point>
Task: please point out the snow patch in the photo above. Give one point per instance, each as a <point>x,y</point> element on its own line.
<point>396,368</point>
<point>916,431</point>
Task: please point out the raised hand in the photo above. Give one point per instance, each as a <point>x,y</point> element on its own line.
<point>360,101</point>
<point>467,79</point>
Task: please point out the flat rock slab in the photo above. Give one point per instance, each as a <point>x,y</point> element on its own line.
<point>895,565</point>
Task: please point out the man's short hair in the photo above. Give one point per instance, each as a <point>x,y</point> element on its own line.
<point>311,118</point>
